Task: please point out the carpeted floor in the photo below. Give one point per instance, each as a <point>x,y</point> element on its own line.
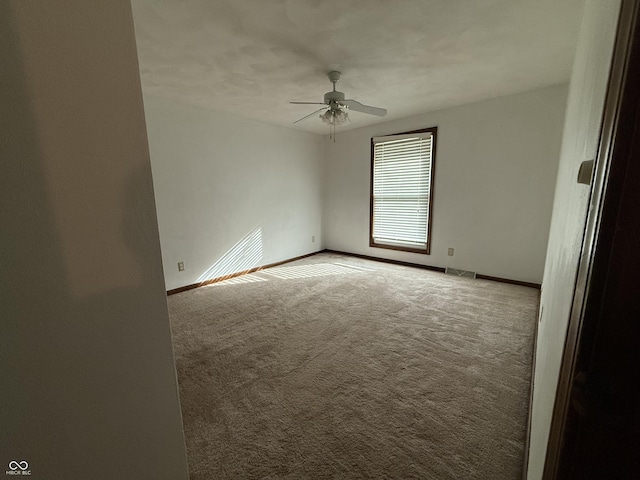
<point>339,367</point>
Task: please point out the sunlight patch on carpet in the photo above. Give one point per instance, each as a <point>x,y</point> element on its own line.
<point>314,270</point>
<point>249,278</point>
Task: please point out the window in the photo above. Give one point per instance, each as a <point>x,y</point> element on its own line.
<point>402,167</point>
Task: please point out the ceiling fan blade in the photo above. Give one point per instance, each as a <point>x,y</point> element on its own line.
<point>307,116</point>
<point>308,103</point>
<point>359,107</point>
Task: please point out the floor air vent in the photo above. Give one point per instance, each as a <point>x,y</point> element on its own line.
<point>460,273</point>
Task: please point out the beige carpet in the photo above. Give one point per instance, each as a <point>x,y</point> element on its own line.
<point>338,367</point>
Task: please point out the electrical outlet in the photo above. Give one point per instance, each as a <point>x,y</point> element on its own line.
<point>313,238</point>
<point>450,252</point>
<point>181,266</point>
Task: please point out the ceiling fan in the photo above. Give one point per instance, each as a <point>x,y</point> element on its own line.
<point>336,107</point>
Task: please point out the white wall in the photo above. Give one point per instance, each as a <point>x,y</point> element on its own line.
<point>231,193</point>
<point>495,172</point>
<point>87,379</point>
<point>580,140</point>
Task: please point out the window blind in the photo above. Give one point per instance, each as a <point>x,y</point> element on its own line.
<point>402,167</point>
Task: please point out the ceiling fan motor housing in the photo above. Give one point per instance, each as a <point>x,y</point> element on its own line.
<point>333,97</point>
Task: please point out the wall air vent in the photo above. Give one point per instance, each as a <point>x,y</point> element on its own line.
<point>460,273</point>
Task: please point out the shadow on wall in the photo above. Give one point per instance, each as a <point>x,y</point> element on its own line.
<point>30,256</point>
<point>84,381</point>
<point>243,256</point>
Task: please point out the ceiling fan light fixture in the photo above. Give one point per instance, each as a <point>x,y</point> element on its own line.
<point>334,116</point>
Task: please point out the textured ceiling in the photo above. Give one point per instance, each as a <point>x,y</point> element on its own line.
<point>251,57</point>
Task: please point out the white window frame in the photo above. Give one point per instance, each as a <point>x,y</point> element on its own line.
<point>418,192</point>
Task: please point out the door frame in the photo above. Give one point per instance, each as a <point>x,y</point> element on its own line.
<point>585,279</point>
